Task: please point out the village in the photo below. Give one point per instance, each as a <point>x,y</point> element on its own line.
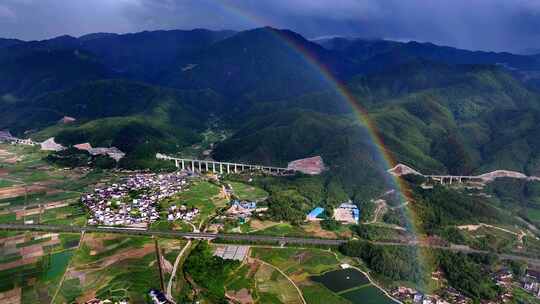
<point>509,283</point>
<point>135,201</point>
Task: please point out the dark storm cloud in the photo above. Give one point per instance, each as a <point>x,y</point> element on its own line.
<point>473,24</point>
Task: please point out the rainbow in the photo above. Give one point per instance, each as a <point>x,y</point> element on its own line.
<point>343,93</point>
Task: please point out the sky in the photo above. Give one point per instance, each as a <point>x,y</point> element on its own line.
<point>498,25</point>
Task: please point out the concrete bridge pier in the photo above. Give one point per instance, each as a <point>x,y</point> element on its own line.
<point>228,168</point>
<point>176,163</point>
<point>183,165</point>
<point>213,167</point>
<point>193,165</point>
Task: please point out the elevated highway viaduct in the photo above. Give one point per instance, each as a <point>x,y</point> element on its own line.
<point>217,166</point>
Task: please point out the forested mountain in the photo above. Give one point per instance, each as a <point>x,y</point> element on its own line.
<point>145,55</point>
<point>138,118</point>
<point>261,64</point>
<point>9,42</point>
<point>32,72</point>
<point>437,109</point>
<point>387,53</point>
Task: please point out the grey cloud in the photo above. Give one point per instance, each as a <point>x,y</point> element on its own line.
<point>473,24</point>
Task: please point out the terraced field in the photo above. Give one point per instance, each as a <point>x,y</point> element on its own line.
<point>318,274</point>
<point>31,190</point>
<point>32,265</point>
<point>111,267</point>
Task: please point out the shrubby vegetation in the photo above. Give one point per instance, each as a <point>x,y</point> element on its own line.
<point>209,271</point>
<point>520,196</point>
<point>73,157</point>
<point>468,274</point>
<point>440,207</point>
<point>330,224</point>
<point>395,263</point>
<point>287,206</point>
<point>377,233</point>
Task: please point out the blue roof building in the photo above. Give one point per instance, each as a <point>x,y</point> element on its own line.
<point>347,213</point>
<point>245,205</point>
<point>314,214</point>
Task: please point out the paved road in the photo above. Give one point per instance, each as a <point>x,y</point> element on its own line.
<point>246,237</point>
<point>187,235</point>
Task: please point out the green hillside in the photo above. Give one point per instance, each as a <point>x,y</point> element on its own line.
<point>436,116</point>
<point>139,119</point>
<point>27,73</point>
<point>462,120</point>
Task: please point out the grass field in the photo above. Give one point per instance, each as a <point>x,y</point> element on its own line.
<point>303,264</point>
<point>274,287</point>
<point>298,261</point>
<point>533,214</point>
<point>300,264</point>
<point>282,229</point>
<point>521,296</point>
<point>201,194</point>
<point>247,192</point>
<point>317,294</point>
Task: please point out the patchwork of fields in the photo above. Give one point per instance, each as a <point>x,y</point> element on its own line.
<point>318,275</point>
<point>32,265</point>
<point>111,267</point>
<point>33,191</point>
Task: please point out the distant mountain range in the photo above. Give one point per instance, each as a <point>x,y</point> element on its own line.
<point>438,109</point>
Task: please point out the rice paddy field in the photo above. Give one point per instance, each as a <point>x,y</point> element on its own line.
<point>257,282</point>
<point>318,274</point>
<point>32,265</point>
<point>33,191</point>
<point>112,267</point>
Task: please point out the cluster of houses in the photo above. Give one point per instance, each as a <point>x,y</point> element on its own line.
<point>133,202</point>
<point>106,301</point>
<point>243,210</point>
<point>182,213</point>
<point>158,297</point>
<point>448,296</point>
<point>7,137</point>
<point>504,278</point>
<point>239,212</point>
<point>347,213</point>
<point>531,282</point>
<point>51,145</point>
